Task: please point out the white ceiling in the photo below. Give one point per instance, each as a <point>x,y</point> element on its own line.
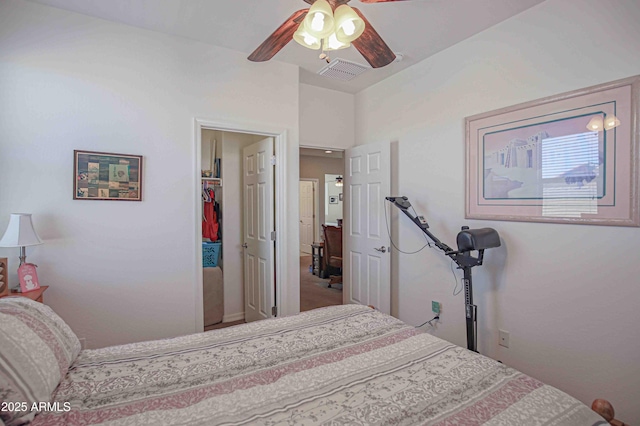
<point>313,152</point>
<point>415,28</point>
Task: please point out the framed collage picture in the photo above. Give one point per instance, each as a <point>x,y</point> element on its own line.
<point>107,176</point>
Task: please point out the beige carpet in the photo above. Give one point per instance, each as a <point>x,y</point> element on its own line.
<point>223,325</point>
<point>314,293</point>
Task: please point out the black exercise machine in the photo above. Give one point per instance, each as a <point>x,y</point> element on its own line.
<point>468,240</point>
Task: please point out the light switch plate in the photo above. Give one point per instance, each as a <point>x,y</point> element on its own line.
<point>503,338</point>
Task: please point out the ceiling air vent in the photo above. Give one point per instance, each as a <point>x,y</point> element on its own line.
<point>341,69</point>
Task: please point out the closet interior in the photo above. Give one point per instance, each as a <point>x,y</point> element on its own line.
<point>211,183</point>
<point>223,206</point>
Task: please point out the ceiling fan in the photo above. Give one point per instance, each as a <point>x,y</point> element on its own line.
<point>328,25</point>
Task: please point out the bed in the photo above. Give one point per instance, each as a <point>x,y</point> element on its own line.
<point>341,365</point>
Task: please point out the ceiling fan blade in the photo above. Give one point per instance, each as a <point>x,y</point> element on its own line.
<point>279,38</point>
<point>377,1</point>
<point>372,47</point>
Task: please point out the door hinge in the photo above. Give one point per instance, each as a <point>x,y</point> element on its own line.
<point>274,311</point>
<point>273,235</point>
<point>272,160</point>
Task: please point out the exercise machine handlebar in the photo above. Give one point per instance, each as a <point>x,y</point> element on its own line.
<point>468,240</point>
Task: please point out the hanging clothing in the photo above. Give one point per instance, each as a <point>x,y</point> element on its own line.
<point>210,224</point>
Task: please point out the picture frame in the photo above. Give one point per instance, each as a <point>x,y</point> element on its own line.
<point>107,176</point>
<point>568,158</point>
<point>28,277</point>
<point>333,199</point>
<point>4,278</point>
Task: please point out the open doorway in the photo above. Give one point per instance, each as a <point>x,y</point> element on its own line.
<point>321,204</point>
<point>284,295</point>
<point>223,250</point>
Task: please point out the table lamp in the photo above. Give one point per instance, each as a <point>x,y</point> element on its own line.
<point>20,233</point>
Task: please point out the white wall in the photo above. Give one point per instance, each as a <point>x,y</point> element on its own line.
<point>326,118</point>
<point>568,294</point>
<point>122,271</point>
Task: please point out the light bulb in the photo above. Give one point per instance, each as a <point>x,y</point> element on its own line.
<point>317,24</point>
<point>309,39</point>
<point>302,37</point>
<point>332,43</point>
<point>349,28</point>
<point>319,19</point>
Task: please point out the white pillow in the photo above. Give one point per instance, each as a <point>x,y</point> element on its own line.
<point>36,349</point>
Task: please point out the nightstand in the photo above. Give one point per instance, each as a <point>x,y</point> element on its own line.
<point>316,255</point>
<point>37,295</point>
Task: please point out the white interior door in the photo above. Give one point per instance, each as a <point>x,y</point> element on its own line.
<point>366,258</point>
<point>258,193</point>
<point>306,216</point>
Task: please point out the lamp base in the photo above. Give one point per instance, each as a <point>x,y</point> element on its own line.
<point>23,255</point>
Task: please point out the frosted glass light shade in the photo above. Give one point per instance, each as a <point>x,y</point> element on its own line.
<point>304,38</point>
<point>319,19</point>
<point>20,232</point>
<point>611,121</point>
<point>595,124</point>
<point>349,26</point>
<point>332,43</point>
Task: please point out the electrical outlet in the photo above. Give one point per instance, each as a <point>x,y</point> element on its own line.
<point>435,306</point>
<point>503,338</point>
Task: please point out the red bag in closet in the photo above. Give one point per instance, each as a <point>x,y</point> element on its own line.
<point>210,219</point>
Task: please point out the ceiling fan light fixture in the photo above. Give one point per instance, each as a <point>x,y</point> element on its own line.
<point>306,39</point>
<point>319,20</point>
<point>349,26</point>
<point>332,43</point>
<point>352,27</point>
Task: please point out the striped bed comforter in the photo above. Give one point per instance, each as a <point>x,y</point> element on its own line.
<point>342,365</point>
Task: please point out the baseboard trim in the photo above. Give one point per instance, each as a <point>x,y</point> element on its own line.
<point>233,317</point>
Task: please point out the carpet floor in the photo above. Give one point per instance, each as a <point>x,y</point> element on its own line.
<point>314,293</point>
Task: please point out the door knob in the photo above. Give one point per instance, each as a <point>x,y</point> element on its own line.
<point>382,249</point>
<point>245,245</point>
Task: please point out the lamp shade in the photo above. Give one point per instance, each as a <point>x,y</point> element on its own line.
<point>319,19</point>
<point>349,26</point>
<point>332,43</point>
<point>20,232</point>
<point>304,38</point>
